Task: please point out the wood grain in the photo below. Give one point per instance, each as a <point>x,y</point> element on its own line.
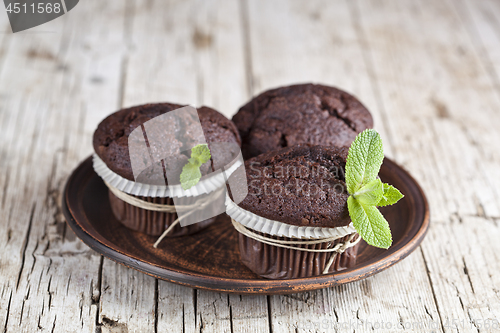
<point>446,124</point>
<point>428,70</point>
<point>44,75</point>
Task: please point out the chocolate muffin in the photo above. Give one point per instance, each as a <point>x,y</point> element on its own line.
<point>303,113</point>
<point>113,161</point>
<point>296,195</point>
<point>303,185</point>
<point>111,137</point>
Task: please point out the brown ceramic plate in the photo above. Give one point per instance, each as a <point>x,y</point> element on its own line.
<point>210,259</point>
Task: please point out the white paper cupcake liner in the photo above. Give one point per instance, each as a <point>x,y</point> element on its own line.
<point>276,228</point>
<point>211,183</point>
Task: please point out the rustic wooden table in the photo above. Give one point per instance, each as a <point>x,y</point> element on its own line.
<point>428,70</point>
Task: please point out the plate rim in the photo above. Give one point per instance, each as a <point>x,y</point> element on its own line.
<point>250,286</point>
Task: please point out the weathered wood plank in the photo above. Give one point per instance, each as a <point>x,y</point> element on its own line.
<point>184,52</point>
<point>336,55</point>
<point>462,273</point>
<point>249,313</point>
<point>481,20</point>
<point>430,85</point>
<point>389,301</point>
<point>219,55</point>
<point>52,277</point>
<point>218,312</point>
<point>295,42</point>
<point>176,308</point>
<point>212,312</point>
<point>427,70</point>
<point>128,302</point>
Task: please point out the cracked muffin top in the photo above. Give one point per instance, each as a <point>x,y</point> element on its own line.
<point>111,136</point>
<point>303,113</point>
<point>302,185</point>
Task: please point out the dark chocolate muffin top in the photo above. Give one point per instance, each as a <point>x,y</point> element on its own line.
<point>303,113</point>
<point>111,137</point>
<point>302,185</point>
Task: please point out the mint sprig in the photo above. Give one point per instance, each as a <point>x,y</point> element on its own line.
<point>391,195</point>
<point>366,191</point>
<point>191,174</point>
<point>371,193</point>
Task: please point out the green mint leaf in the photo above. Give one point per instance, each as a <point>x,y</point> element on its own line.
<point>369,223</point>
<point>364,160</point>
<point>190,176</point>
<point>200,154</point>
<point>391,196</point>
<point>371,193</point>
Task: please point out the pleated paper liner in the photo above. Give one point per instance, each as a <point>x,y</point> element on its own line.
<point>207,184</point>
<point>154,223</point>
<point>151,222</point>
<point>276,228</point>
<point>275,262</point>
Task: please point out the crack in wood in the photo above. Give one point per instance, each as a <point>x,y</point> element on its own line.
<point>428,312</point>
<point>67,285</point>
<point>25,245</point>
<point>195,305</point>
<point>184,319</point>
<point>9,235</point>
<point>8,313</point>
<point>81,308</point>
<point>436,303</point>
<point>230,317</point>
<point>54,324</point>
<point>466,272</point>
<point>50,293</point>
<point>21,313</point>
<point>201,323</point>
<point>5,187</point>
<point>34,257</point>
<point>96,299</point>
<point>49,266</point>
<point>269,314</point>
<point>156,306</point>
